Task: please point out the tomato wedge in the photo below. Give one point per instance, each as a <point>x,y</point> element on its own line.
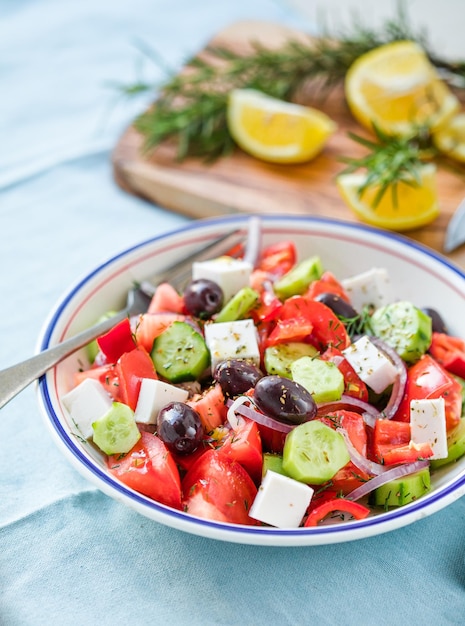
<point>186,461</point>
<point>268,306</point>
<point>218,488</point>
<point>355,509</point>
<point>429,379</point>
<point>350,476</point>
<point>211,407</point>
<point>285,331</point>
<point>278,258</point>
<point>132,367</point>
<point>244,445</point>
<point>407,454</point>
<point>148,327</point>
<point>328,283</point>
<point>328,330</point>
<point>107,375</point>
<point>353,423</point>
<point>272,440</point>
<point>392,444</point>
<point>166,300</point>
<point>450,352</point>
<point>388,433</point>
<point>149,469</point>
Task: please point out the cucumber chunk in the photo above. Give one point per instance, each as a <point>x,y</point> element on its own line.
<point>180,353</point>
<point>278,359</point>
<point>273,462</point>
<point>116,432</point>
<point>296,281</point>
<point>402,490</point>
<point>322,379</point>
<point>455,446</point>
<point>405,328</point>
<point>314,452</point>
<point>239,305</point>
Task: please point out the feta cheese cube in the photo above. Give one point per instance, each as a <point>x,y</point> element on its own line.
<point>232,340</point>
<point>371,365</point>
<point>229,273</point>
<point>281,501</point>
<point>85,404</point>
<point>428,425</point>
<point>153,396</point>
<point>370,288</point>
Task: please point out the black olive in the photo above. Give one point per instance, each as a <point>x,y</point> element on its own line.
<point>179,427</point>
<point>338,305</point>
<point>344,311</point>
<point>203,298</point>
<point>284,400</point>
<point>237,376</point>
<point>439,325</point>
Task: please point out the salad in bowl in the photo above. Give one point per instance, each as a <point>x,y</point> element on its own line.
<point>305,389</point>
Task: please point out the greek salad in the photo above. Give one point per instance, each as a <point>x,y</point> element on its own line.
<point>270,392</point>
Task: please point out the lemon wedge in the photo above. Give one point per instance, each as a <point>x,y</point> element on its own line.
<point>450,138</point>
<point>416,206</point>
<point>396,87</point>
<point>273,130</point>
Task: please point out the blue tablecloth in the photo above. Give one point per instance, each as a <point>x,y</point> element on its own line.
<point>69,554</point>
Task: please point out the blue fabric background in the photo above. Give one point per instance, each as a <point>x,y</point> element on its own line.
<point>69,554</point>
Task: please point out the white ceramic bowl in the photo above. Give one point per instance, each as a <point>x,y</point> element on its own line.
<point>417,274</point>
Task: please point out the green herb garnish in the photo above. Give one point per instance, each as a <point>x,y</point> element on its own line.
<point>190,108</point>
<point>391,160</point>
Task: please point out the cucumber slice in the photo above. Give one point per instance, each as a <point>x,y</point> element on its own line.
<point>455,446</point>
<point>116,432</point>
<point>273,462</point>
<point>180,353</point>
<point>314,452</point>
<point>278,359</point>
<point>322,379</point>
<point>405,328</point>
<point>402,490</point>
<point>239,305</point>
<point>296,281</point>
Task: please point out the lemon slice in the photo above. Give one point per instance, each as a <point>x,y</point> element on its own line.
<point>396,87</point>
<point>417,204</point>
<point>450,138</point>
<point>274,130</point>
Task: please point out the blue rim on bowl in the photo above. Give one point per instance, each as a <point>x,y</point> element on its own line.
<point>76,308</point>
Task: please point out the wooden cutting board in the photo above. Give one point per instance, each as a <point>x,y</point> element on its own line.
<point>242,183</point>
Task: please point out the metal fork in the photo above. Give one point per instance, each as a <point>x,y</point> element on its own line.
<point>17,377</point>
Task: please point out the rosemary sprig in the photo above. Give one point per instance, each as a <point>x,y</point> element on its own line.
<point>391,160</point>
<point>191,107</point>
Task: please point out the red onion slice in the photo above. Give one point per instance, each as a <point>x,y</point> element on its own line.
<point>386,477</point>
<point>348,403</point>
<point>231,415</point>
<point>359,460</point>
<point>260,418</point>
<point>398,387</point>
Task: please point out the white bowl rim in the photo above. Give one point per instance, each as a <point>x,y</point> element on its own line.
<point>267,536</point>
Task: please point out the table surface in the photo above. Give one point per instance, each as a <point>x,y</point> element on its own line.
<point>68,553</point>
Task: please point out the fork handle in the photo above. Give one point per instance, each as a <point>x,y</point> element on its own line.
<point>17,377</point>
